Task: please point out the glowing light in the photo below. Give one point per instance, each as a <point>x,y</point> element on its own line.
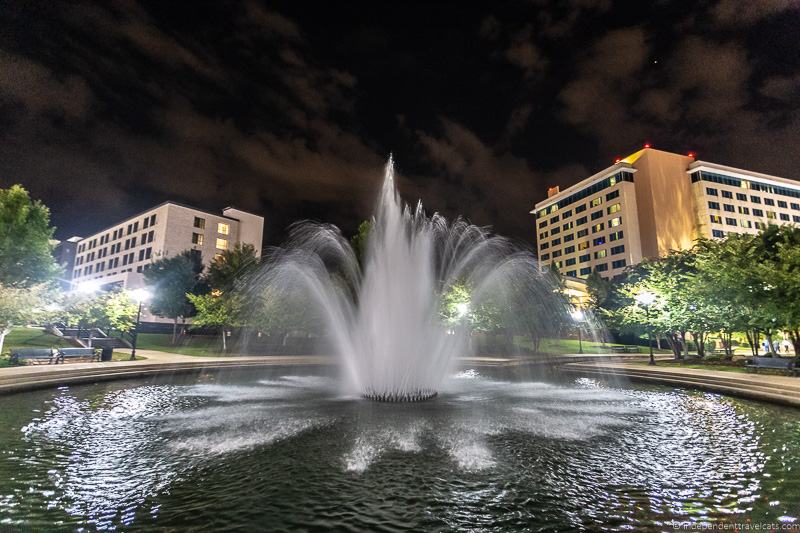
<point>648,145</point>
<point>692,155</point>
<point>462,309</point>
<point>577,315</point>
<point>617,160</point>
<point>139,295</point>
<point>645,298</point>
<point>88,286</point>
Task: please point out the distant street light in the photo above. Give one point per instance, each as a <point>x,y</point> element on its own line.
<point>89,286</point>
<point>578,316</point>
<point>140,296</point>
<point>646,299</point>
<point>462,309</point>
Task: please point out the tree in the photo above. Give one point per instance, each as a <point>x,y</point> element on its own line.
<point>360,239</point>
<point>18,306</point>
<point>231,266</point>
<point>113,310</point>
<point>170,280</point>
<point>214,310</point>
<point>26,257</point>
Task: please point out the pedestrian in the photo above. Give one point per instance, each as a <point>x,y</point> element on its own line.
<point>776,347</point>
<point>785,345</point>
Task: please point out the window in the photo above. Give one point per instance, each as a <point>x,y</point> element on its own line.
<point>146,223</point>
<point>617,235</point>
<point>597,214</point>
<point>141,254</point>
<point>741,197</point>
<point>582,233</point>
<point>613,209</point>
<point>585,271</point>
<point>614,222</point>
<point>771,215</point>
<point>711,191</point>
<point>602,267</point>
<point>727,194</point>
<point>545,257</point>
<point>716,219</point>
<point>729,208</point>
<point>569,249</point>
<point>617,249</point>
<point>769,201</point>
<point>556,253</point>
<point>758,212</point>
<point>796,207</point>
<point>583,245</point>
<point>598,227</point>
<point>713,205</point>
<point>569,262</point>
<point>153,220</point>
<point>785,217</point>
<point>619,263</point>
<point>140,268</point>
<point>580,209</point>
<point>554,219</point>
<point>599,241</point>
<point>760,225</point>
<point>130,229</point>
<point>795,218</point>
<point>136,226</point>
<point>543,235</point>
<point>612,195</point>
<point>222,244</point>
<point>124,259</point>
<point>564,214</point>
<point>744,210</point>
<point>580,221</point>
<point>544,246</point>
<point>782,204</point>
<point>755,199</point>
<point>599,254</point>
<point>569,237</point>
<point>745,223</point>
<point>197,238</point>
<point>143,240</point>
<point>597,201</point>
<point>568,225</point>
<point>199,223</point>
<point>555,231</point>
<point>584,258</point>
<point>730,221</point>
<point>223,228</point>
<point>542,224</point>
<point>557,264</point>
<point>554,242</point>
<point>151,235</point>
<point>717,233</point>
<point>148,253</point>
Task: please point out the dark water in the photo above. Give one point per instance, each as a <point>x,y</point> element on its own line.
<point>285,451</point>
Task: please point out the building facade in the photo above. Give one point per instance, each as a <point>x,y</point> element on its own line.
<point>118,255</point>
<point>653,202</point>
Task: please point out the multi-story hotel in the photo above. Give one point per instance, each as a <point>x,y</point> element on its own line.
<point>118,255</point>
<point>650,203</point>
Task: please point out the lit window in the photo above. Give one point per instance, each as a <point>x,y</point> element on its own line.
<point>597,201</point>
<point>744,210</point>
<point>745,223</point>
<point>613,209</point>
<point>222,228</point>
<point>197,238</point>
<point>598,227</point>
<point>614,222</point>
<point>716,219</point>
<point>771,214</point>
<point>600,254</point>
<point>583,245</point>
<point>222,244</point>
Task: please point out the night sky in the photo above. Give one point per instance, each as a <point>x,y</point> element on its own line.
<point>291,109</point>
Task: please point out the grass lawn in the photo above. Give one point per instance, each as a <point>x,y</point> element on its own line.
<point>39,338</point>
<point>569,346</point>
<point>699,365</point>
<point>200,346</point>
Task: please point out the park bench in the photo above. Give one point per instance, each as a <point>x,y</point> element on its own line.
<point>34,355</point>
<point>65,354</point>
<point>625,349</point>
<point>774,363</point>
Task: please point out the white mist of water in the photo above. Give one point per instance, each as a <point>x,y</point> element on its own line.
<point>383,314</point>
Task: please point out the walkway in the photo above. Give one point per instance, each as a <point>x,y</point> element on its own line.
<point>765,387</point>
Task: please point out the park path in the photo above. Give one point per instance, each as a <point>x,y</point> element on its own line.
<point>784,390</point>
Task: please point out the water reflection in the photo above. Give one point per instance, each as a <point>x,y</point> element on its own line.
<point>490,451</point>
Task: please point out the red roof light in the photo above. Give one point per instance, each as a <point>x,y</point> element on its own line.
<point>692,155</point>
<point>648,145</point>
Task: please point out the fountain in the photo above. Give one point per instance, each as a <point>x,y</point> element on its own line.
<point>382,310</point>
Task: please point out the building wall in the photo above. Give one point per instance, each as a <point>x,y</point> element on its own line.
<point>671,201</point>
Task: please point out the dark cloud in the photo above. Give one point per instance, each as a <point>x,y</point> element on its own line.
<point>291,110</point>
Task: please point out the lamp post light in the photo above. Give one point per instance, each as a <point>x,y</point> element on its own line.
<point>139,296</point>
<point>578,316</point>
<point>646,299</point>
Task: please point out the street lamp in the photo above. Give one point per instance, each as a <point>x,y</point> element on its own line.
<point>578,316</point>
<point>646,299</point>
<point>139,296</point>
